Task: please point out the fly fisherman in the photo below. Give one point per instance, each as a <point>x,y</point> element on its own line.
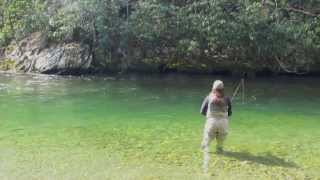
<point>217,109</point>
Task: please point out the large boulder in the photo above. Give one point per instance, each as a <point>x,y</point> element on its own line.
<point>35,54</point>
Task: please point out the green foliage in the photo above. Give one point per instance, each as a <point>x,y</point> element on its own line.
<point>249,35</point>
<point>20,18</point>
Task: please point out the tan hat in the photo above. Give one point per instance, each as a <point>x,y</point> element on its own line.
<point>218,84</point>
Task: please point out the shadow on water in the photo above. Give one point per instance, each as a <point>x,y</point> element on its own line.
<point>267,159</point>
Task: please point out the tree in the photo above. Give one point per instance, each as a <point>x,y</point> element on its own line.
<point>207,35</point>
<point>20,18</point>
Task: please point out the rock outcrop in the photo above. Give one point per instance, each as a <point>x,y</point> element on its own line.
<point>35,54</point>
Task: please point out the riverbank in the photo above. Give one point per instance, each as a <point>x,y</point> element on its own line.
<point>37,54</point>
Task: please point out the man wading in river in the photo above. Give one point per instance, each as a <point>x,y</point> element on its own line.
<point>217,109</point>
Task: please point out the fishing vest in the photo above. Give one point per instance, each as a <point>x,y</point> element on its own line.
<point>214,110</point>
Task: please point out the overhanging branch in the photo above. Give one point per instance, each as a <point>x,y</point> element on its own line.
<point>308,13</point>
<point>286,68</point>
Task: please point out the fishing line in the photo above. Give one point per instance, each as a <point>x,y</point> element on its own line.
<point>235,92</point>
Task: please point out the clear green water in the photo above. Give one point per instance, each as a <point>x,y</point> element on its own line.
<point>149,127</point>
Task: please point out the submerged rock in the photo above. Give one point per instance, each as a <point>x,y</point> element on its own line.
<point>35,54</point>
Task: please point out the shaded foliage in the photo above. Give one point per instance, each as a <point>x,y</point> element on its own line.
<point>204,35</point>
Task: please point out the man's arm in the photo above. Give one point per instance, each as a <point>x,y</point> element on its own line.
<point>204,106</point>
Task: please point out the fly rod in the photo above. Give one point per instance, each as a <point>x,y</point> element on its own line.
<point>235,92</point>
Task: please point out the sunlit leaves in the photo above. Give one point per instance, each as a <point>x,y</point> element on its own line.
<point>243,33</point>
<point>19,18</point>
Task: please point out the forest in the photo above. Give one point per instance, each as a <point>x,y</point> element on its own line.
<point>276,36</point>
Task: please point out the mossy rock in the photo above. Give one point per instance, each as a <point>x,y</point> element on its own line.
<point>9,49</point>
<point>7,64</point>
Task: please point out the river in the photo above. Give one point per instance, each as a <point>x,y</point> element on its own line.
<point>149,127</point>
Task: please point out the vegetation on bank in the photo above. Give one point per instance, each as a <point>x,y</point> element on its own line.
<point>202,35</point>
